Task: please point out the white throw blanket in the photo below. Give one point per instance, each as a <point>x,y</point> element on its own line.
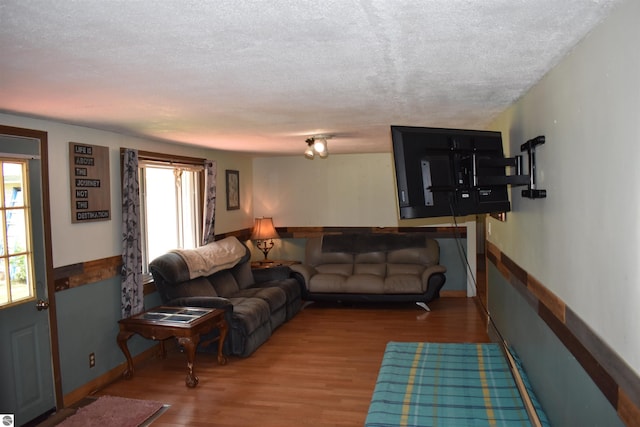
<point>215,256</point>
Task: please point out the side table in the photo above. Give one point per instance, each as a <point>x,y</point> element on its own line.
<point>259,265</point>
<point>269,270</point>
<point>184,323</point>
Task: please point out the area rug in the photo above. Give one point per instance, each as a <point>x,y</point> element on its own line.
<point>108,411</point>
<point>432,384</point>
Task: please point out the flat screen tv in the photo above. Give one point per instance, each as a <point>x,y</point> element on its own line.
<point>449,172</point>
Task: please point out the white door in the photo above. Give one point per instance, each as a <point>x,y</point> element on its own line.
<point>26,374</point>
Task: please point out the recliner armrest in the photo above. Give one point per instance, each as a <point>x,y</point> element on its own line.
<point>305,271</point>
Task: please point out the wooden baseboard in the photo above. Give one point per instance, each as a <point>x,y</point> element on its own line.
<point>107,378</point>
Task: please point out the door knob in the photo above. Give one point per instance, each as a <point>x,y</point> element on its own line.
<point>42,305</point>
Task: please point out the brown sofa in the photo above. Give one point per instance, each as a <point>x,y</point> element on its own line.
<point>255,306</point>
<point>371,267</point>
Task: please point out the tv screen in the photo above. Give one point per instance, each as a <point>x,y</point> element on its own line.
<point>449,172</point>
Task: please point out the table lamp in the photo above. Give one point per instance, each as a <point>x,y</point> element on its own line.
<point>263,233</point>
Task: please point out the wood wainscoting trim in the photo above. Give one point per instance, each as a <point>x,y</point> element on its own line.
<point>611,374</point>
<point>307,232</point>
<point>434,232</point>
<point>88,272</point>
<point>83,273</point>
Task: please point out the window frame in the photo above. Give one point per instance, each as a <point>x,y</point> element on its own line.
<point>173,162</point>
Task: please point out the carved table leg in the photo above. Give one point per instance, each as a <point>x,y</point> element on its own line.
<point>190,345</point>
<point>123,337</point>
<point>223,328</point>
<point>163,350</point>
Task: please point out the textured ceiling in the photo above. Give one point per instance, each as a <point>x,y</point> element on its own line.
<point>261,76</point>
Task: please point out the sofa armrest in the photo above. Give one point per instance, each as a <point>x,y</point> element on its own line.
<point>433,279</point>
<point>208,302</point>
<point>430,271</point>
<point>305,272</point>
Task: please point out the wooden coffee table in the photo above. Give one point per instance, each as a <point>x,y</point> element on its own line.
<point>184,323</point>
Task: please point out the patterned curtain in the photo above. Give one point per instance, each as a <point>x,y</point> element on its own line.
<point>208,232</point>
<point>131,275</point>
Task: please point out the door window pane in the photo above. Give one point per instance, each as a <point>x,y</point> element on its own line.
<point>16,278</point>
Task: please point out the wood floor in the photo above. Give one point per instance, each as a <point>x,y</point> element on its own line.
<point>319,369</point>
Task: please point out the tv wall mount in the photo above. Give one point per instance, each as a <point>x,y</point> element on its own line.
<point>532,191</point>
<point>519,178</point>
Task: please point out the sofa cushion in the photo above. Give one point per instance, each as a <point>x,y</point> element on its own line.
<point>196,287</point>
<point>275,297</point>
<point>370,258</point>
<point>251,312</point>
<point>314,255</point>
<point>329,283</point>
<point>340,269</point>
<point>404,269</point>
<point>365,284</point>
<point>292,290</point>
<point>429,255</point>
<point>403,284</point>
<point>224,283</point>
<point>374,269</point>
<point>243,275</point>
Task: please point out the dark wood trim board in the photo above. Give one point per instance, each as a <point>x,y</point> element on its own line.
<point>618,382</point>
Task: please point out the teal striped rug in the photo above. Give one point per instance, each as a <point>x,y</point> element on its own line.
<point>430,384</point>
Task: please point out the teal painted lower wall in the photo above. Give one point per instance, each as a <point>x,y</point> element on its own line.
<point>452,258</point>
<point>88,323</point>
<point>566,392</point>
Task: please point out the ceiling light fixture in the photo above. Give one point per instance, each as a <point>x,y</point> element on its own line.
<point>317,145</point>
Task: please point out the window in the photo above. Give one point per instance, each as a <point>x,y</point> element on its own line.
<point>16,257</point>
<point>171,207</point>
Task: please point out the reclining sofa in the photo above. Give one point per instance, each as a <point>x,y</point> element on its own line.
<point>219,275</point>
<point>371,267</point>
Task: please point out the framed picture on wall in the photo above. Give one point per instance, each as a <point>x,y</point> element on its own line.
<point>233,190</point>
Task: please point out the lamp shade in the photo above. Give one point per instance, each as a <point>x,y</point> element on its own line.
<point>264,229</point>
<point>320,145</point>
<point>309,153</point>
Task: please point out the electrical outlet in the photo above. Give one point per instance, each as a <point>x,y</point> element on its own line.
<point>92,360</point>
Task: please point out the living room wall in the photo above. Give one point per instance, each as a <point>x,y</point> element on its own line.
<point>87,315</point>
<point>348,190</point>
<point>74,243</point>
<point>583,240</point>
<point>582,243</point>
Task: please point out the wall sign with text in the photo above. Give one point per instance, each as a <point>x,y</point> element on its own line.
<point>90,184</point>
